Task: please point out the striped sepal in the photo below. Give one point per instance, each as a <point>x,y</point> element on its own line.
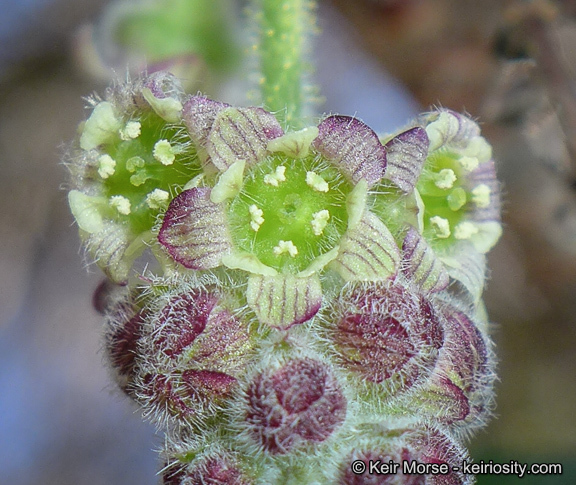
<point>405,155</point>
<point>194,230</point>
<point>284,300</point>
<point>352,147</point>
<point>241,134</point>
<point>421,265</point>
<point>368,251</point>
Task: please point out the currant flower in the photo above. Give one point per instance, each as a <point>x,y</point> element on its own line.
<point>454,193</point>
<point>282,207</point>
<point>132,156</point>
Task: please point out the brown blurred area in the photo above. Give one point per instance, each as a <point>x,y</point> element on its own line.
<point>511,64</point>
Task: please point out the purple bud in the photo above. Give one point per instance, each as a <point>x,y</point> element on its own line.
<point>182,320</point>
<point>217,470</point>
<point>124,330</point>
<point>300,402</point>
<point>423,445</point>
<point>387,334</point>
<point>195,348</point>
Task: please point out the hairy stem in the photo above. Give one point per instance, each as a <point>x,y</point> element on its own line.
<point>283,28</point>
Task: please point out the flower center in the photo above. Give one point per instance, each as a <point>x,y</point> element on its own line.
<point>444,197</point>
<point>289,211</point>
<point>143,167</point>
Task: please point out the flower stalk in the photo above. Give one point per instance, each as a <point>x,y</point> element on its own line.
<point>284,26</point>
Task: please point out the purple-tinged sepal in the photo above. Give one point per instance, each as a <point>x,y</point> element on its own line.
<point>193,350</point>
<point>230,134</point>
<point>421,265</point>
<point>282,301</point>
<point>368,251</point>
<point>405,155</point>
<point>241,134</point>
<point>352,147</point>
<point>195,231</point>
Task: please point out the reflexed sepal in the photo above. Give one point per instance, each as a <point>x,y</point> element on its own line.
<point>466,265</point>
<point>241,133</point>
<point>284,300</point>
<point>405,156</point>
<point>194,230</point>
<point>421,265</point>
<point>447,127</point>
<point>199,114</point>
<point>352,147</point>
<point>368,251</point>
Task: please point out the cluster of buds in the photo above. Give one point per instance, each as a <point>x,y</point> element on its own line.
<point>310,300</point>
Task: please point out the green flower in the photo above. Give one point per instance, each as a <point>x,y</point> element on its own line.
<point>282,207</point>
<point>131,158</point>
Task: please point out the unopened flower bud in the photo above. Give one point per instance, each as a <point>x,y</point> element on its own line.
<point>298,403</point>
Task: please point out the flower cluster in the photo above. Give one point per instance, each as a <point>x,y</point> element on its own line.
<point>316,296</point>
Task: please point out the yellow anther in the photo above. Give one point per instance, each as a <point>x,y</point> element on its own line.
<point>320,221</point>
<point>106,166</point>
<point>121,204</point>
<point>445,178</point>
<point>131,130</point>
<point>316,182</point>
<point>256,215</point>
<point>286,247</point>
<point>164,153</point>
<point>275,178</point>
<point>465,230</point>
<point>441,227</point>
<point>481,196</point>
<point>157,199</point>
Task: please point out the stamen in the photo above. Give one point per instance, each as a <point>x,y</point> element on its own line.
<point>286,247</point>
<point>316,182</point>
<point>256,216</point>
<point>130,131</point>
<point>106,166</point>
<point>445,178</point>
<point>468,163</point>
<point>465,230</point>
<point>121,204</point>
<point>441,227</point>
<point>157,199</point>
<point>139,178</point>
<point>164,153</point>
<point>320,221</point>
<point>275,178</point>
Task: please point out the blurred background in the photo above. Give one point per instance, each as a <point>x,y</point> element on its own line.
<point>511,64</point>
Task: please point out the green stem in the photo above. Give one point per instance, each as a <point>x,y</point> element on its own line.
<point>283,29</point>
